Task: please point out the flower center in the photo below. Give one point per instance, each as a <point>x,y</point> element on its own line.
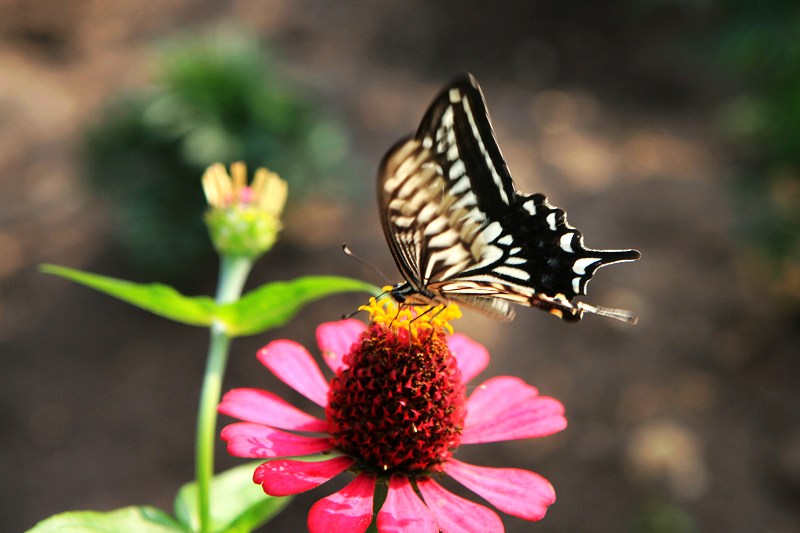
<point>399,406</point>
<point>410,317</point>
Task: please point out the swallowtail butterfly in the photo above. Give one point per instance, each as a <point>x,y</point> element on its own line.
<point>460,232</point>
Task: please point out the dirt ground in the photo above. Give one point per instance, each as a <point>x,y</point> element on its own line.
<point>686,422</point>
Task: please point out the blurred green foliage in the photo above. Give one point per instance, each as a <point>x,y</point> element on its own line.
<point>214,98</point>
<point>662,517</point>
<point>759,44</point>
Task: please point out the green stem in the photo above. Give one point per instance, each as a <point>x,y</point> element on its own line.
<point>232,275</point>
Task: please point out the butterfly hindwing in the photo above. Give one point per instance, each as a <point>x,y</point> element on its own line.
<point>554,253</point>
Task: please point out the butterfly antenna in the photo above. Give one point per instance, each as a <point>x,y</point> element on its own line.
<point>346,249</point>
<point>354,313</point>
<point>350,315</point>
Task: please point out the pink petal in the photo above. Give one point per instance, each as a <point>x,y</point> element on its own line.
<point>349,510</point>
<point>514,491</point>
<point>507,408</point>
<point>293,365</point>
<point>335,340</point>
<point>540,418</point>
<point>455,514</point>
<point>283,477</point>
<point>254,440</point>
<point>472,357</point>
<point>498,394</point>
<point>263,407</point>
<point>403,511</point>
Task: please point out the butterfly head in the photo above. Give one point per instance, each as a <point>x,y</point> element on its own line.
<point>400,292</point>
<point>405,293</point>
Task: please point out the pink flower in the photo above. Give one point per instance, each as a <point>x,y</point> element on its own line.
<point>396,410</point>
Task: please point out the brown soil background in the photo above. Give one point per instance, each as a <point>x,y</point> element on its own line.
<point>693,411</point>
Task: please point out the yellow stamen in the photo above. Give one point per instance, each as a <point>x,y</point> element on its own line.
<point>410,317</point>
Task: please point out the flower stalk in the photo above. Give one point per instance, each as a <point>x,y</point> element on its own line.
<point>243,223</point>
<point>232,276</point>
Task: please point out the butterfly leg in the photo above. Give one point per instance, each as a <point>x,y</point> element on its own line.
<point>440,306</point>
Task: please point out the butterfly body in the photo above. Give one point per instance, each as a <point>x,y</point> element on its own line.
<point>459,231</point>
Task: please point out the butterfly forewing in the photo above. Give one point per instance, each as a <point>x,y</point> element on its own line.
<point>457,129</point>
<point>459,230</point>
<point>429,238</point>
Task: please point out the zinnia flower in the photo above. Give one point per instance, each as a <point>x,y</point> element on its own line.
<point>395,411</point>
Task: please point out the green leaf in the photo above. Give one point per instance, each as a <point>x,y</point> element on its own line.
<point>142,519</point>
<point>237,504</point>
<point>269,306</point>
<point>274,304</point>
<point>157,298</point>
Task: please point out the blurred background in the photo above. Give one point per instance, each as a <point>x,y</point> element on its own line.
<point>671,126</point>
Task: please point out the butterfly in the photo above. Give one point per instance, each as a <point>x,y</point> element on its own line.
<point>459,231</point>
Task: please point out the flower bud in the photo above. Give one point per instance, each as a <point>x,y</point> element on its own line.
<point>243,220</point>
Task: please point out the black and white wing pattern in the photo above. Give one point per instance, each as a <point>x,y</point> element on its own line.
<point>459,230</point>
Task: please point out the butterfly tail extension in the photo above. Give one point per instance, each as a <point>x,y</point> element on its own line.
<point>608,257</point>
<point>588,261</point>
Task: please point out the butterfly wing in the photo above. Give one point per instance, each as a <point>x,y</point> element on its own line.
<point>459,230</point>
<point>430,239</point>
<point>457,129</point>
